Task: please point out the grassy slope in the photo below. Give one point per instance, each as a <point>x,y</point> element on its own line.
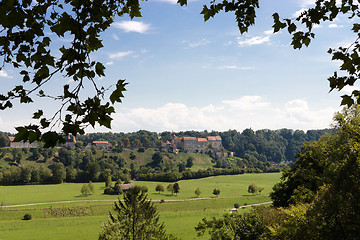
<point>188,213</point>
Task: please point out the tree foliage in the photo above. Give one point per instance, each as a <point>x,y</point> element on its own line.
<point>159,188</point>
<point>253,188</point>
<point>216,192</point>
<point>197,192</point>
<point>233,226</point>
<point>326,177</point>
<point>25,44</point>
<point>136,218</point>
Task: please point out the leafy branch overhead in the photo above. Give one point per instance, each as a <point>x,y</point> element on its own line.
<point>29,28</point>
<point>25,44</point>
<point>323,10</point>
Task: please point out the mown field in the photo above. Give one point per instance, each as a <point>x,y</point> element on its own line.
<point>180,213</point>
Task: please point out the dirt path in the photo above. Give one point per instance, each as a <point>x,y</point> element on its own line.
<point>114,200</point>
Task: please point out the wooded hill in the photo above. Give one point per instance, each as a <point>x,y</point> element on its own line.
<point>263,145</point>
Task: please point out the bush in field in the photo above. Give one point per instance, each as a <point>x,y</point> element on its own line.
<point>253,189</point>
<point>159,188</point>
<point>236,205</point>
<point>27,216</point>
<point>216,192</point>
<point>87,189</point>
<point>197,192</point>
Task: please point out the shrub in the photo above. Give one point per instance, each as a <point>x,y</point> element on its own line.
<point>236,205</point>
<point>109,190</point>
<point>27,216</point>
<point>162,201</point>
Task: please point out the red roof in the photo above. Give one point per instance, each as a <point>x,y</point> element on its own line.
<point>190,138</point>
<point>11,138</point>
<point>202,140</point>
<point>214,138</point>
<point>103,142</point>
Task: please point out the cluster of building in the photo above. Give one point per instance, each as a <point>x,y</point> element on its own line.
<point>70,143</point>
<point>193,144</point>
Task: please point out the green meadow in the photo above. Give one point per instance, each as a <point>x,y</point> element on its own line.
<point>180,213</point>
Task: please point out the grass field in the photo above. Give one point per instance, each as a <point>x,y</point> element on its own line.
<point>185,211</point>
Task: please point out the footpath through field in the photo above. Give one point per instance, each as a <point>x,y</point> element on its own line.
<point>114,200</point>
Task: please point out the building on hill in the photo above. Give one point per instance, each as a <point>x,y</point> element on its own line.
<point>70,142</point>
<point>102,144</point>
<point>23,144</point>
<point>211,144</point>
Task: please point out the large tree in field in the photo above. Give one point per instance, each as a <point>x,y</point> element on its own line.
<point>136,218</point>
<point>28,29</point>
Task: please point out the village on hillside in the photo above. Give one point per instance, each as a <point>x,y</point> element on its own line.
<point>211,145</point>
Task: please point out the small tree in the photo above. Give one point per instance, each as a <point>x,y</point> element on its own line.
<point>176,188</point>
<point>190,162</point>
<point>87,189</point>
<point>136,218</point>
<point>197,192</point>
<point>159,188</point>
<point>236,205</point>
<point>216,192</point>
<point>108,181</point>
<point>91,187</point>
<point>170,188</point>
<point>253,189</point>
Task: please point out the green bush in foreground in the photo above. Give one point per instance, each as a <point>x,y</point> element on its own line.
<point>27,216</point>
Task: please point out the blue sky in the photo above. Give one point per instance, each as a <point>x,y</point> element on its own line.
<point>185,74</point>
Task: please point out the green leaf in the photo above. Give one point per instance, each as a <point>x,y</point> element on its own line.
<point>38,114</point>
<point>182,2</point>
<point>51,139</point>
<point>21,135</point>
<point>44,123</point>
<point>99,69</point>
<point>117,94</point>
<point>347,100</point>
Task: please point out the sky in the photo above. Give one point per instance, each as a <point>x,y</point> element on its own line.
<point>187,74</point>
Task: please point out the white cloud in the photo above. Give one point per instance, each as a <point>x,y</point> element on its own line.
<point>269,32</point>
<point>167,1</point>
<point>4,74</point>
<point>247,103</point>
<point>333,25</point>
<point>304,3</point>
<point>119,55</point>
<point>110,63</point>
<point>202,42</point>
<point>253,41</point>
<point>245,112</point>
<point>133,26</point>
<point>349,89</point>
<point>235,67</point>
